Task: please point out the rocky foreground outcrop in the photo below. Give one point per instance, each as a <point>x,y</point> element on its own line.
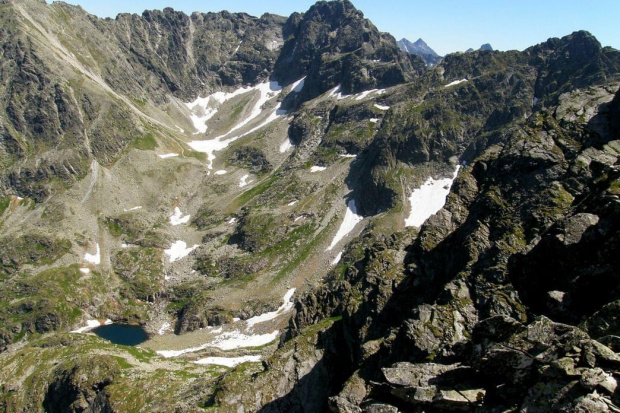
<point>504,300</point>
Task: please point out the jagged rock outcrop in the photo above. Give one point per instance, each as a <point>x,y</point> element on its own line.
<point>80,386</point>
<point>460,120</point>
<point>332,44</point>
<point>463,320</point>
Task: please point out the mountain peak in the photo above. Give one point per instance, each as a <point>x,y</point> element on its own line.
<point>420,48</point>
<point>329,42</point>
<point>419,42</point>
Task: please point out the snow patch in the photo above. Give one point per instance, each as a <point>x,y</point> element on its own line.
<point>350,221</point>
<point>337,93</point>
<point>381,107</point>
<point>365,93</point>
<point>298,85</point>
<point>374,120</point>
<point>91,325</point>
<point>244,181</point>
<point>232,221</point>
<point>428,199</point>
<point>286,306</point>
<point>85,270</point>
<point>286,145</point>
<point>164,327</point>
<point>180,129</point>
<point>177,353</point>
<point>179,250</point>
<point>169,155</point>
<point>292,203</point>
<point>267,91</point>
<point>177,218</point>
<point>317,169</point>
<point>227,361</point>
<point>203,109</point>
<point>456,82</point>
<point>132,209</point>
<point>348,155</point>
<point>234,339</point>
<point>94,259</point>
<point>337,259</point>
<point>226,341</point>
<point>221,172</point>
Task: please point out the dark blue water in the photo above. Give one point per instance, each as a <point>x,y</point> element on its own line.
<point>122,334</point>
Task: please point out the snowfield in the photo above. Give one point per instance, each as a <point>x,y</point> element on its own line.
<point>227,361</point>
<point>244,181</point>
<point>456,82</point>
<point>165,327</point>
<point>94,259</point>
<point>286,145</point>
<point>348,224</point>
<point>169,155</point>
<point>91,325</point>
<point>428,199</point>
<point>235,339</point>
<point>177,218</point>
<point>286,306</point>
<point>266,91</point>
<point>179,250</point>
<point>337,93</point>
<point>337,259</point>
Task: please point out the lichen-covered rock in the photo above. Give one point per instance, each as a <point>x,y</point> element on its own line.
<point>80,386</point>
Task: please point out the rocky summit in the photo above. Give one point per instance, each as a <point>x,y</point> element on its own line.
<point>420,48</point>
<point>291,214</point>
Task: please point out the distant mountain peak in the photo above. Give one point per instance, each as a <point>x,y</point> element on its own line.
<point>485,47</point>
<point>420,48</point>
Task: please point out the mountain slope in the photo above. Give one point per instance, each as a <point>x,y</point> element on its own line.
<point>203,175</point>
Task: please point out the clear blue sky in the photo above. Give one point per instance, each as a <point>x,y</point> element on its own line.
<point>446,25</point>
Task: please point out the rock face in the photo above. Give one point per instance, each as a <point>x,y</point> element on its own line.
<point>332,44</point>
<point>505,298</point>
<point>81,387</point>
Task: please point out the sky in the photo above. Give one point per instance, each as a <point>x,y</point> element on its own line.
<point>447,25</point>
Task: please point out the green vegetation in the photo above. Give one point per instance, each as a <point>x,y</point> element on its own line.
<point>145,142</point>
<point>30,249</point>
<point>202,157</point>
<point>4,204</point>
<point>141,268</point>
<point>49,301</point>
<point>248,195</point>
